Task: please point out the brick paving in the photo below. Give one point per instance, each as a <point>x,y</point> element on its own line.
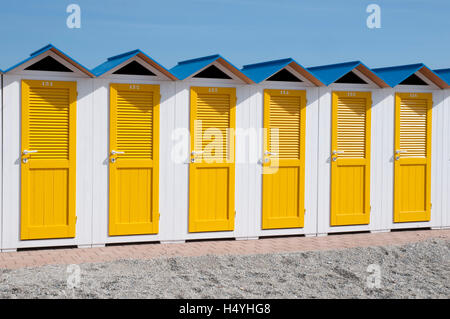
<point>41,257</point>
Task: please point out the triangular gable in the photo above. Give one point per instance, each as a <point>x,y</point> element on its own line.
<point>259,72</point>
<point>189,68</point>
<point>134,68</point>
<point>397,74</point>
<point>329,74</point>
<point>48,64</point>
<point>59,53</point>
<point>120,59</point>
<point>212,72</point>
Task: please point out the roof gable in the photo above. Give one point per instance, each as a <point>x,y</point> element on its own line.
<point>117,60</point>
<point>188,68</point>
<point>259,72</point>
<point>330,73</point>
<point>395,75</point>
<point>50,47</point>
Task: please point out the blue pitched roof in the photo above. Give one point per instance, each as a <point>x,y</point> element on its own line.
<point>114,61</point>
<point>395,75</point>
<point>259,72</point>
<point>330,73</point>
<point>185,69</point>
<point>444,74</point>
<point>57,51</point>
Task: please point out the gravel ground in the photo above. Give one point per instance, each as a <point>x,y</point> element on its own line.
<point>419,270</point>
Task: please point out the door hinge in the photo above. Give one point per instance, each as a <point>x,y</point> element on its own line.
<point>304,211</point>
<point>159,216</point>
<point>76,219</point>
<point>235,213</point>
<point>431,205</point>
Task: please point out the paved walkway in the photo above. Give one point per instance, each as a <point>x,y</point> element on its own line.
<point>35,258</point>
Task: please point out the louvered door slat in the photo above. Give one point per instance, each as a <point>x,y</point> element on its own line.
<point>413,128</point>
<point>213,114</point>
<point>351,127</point>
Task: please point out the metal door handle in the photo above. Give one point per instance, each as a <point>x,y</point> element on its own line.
<point>25,152</point>
<point>196,152</point>
<point>400,152</point>
<point>336,152</point>
<point>113,152</point>
<point>270,153</point>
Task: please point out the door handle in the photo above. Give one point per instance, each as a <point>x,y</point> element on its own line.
<point>270,153</point>
<point>337,152</point>
<point>113,152</point>
<point>196,152</point>
<point>25,152</point>
<point>400,151</point>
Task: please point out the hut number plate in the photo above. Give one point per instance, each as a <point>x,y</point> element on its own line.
<point>351,94</point>
<point>213,90</point>
<point>284,92</point>
<point>134,87</point>
<point>47,83</point>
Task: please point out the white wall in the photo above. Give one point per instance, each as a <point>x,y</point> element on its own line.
<point>12,159</point>
<point>387,151</point>
<point>324,158</point>
<point>100,159</point>
<point>253,178</point>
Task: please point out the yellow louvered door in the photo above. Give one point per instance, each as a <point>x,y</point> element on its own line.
<point>284,159</point>
<point>412,157</point>
<point>48,158</point>
<point>134,159</point>
<point>211,172</point>
<point>350,158</point>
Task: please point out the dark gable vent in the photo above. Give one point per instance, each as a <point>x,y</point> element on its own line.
<point>48,64</point>
<point>413,80</point>
<point>212,72</point>
<point>284,75</point>
<point>134,68</point>
<point>351,78</point>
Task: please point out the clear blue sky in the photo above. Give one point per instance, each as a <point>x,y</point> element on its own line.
<point>313,32</point>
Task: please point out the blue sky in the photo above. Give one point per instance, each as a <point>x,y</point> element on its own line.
<point>313,32</point>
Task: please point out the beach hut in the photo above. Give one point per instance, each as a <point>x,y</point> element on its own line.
<point>133,105</point>
<point>211,103</point>
<point>349,137</point>
<point>282,177</point>
<point>47,128</point>
<point>412,147</point>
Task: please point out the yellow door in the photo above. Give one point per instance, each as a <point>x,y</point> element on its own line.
<point>412,157</point>
<point>134,159</point>
<point>211,171</point>
<point>48,159</point>
<point>284,159</point>
<point>350,158</point>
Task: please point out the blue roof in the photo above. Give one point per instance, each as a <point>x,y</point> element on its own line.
<point>53,48</point>
<point>330,73</point>
<point>259,72</point>
<point>444,74</point>
<point>185,69</point>
<point>395,75</point>
<point>114,61</point>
